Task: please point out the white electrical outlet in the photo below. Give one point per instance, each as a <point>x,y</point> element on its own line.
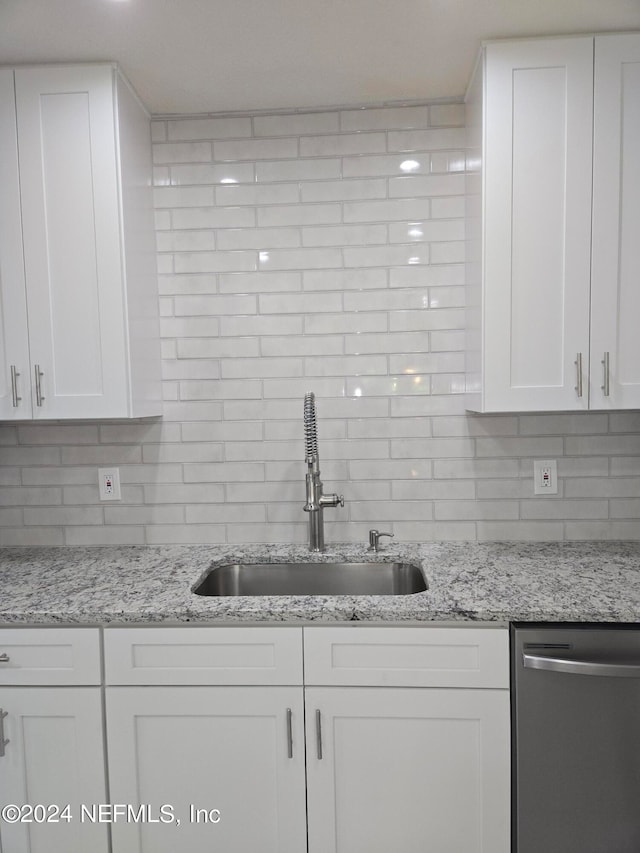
<point>109,484</point>
<point>545,477</point>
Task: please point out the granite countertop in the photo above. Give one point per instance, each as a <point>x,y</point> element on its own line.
<point>477,582</point>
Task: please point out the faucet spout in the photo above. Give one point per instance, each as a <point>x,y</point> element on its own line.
<point>316,501</point>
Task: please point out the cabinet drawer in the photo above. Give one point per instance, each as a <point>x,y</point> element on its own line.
<point>253,656</point>
<point>50,656</point>
<point>407,657</point>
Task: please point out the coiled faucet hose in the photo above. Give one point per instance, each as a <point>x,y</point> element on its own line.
<point>310,428</point>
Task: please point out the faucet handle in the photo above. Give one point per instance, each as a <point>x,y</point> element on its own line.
<point>331,500</point>
<point>374,539</point>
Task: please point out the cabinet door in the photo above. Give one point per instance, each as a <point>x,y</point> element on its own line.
<point>615,288</point>
<point>72,247</point>
<point>537,224</point>
<point>204,750</point>
<point>407,769</point>
<point>54,757</point>
<point>15,396</point>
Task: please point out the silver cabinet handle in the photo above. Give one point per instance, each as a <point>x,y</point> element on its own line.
<point>578,364</point>
<point>3,740</point>
<point>319,734</point>
<point>39,394</point>
<point>15,398</point>
<point>573,666</point>
<point>605,378</point>
<point>289,733</point>
<point>4,658</point>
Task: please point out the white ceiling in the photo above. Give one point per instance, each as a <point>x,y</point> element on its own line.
<point>195,56</point>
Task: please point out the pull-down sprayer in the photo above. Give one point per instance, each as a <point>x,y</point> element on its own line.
<point>316,500</point>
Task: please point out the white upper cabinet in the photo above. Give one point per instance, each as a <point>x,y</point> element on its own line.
<point>615,276</point>
<point>540,316</point>
<point>80,314</point>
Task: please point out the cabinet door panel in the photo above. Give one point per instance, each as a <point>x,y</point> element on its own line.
<point>537,162</point>
<point>615,289</point>
<point>14,347</point>
<point>409,770</point>
<point>54,757</point>
<point>73,261</point>
<point>218,748</point>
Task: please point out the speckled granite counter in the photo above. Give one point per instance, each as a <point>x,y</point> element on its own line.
<point>492,582</point>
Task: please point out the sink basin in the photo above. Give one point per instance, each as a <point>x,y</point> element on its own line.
<point>313,579</point>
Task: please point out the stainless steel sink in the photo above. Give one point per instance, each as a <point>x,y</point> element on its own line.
<point>313,579</point>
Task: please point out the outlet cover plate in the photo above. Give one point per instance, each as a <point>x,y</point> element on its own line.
<point>545,477</point>
<point>109,484</point>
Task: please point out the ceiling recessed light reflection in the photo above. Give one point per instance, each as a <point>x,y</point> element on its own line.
<point>409,165</point>
<point>415,231</point>
<point>228,181</point>
<point>414,260</point>
<point>263,257</point>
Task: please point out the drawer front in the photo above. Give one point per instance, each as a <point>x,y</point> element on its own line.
<point>253,656</point>
<point>407,657</point>
<point>50,656</point>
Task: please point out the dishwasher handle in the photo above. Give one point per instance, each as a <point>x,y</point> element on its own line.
<point>574,666</point>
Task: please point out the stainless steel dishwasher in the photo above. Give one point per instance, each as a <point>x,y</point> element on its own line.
<point>576,739</point>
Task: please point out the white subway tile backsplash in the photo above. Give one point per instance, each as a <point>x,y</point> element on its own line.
<point>257,194</point>
<point>244,368</point>
<point>382,118</point>
<point>214,173</point>
<point>386,256</point>
<point>344,235</point>
<point>182,152</point>
<point>170,197</point>
<point>297,170</point>
<point>386,211</point>
<point>427,186</point>
<point>386,342</point>
<point>345,365</point>
<point>352,279</point>
<point>319,324</point>
<point>344,143</point>
<point>300,259</point>
<point>215,261</point>
<point>213,217</point>
<point>343,190</point>
<point>185,241</point>
<point>386,300</point>
<point>261,325</point>
<point>255,282</point>
<point>299,303</point>
<point>324,345</point>
<point>208,128</point>
<point>255,149</point>
<point>427,140</point>
<point>296,124</point>
<point>298,214</point>
<point>194,306</point>
<point>387,164</point>
<point>323,251</point>
<point>259,238</point>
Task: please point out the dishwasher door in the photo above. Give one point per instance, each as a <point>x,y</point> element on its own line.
<point>576,739</point>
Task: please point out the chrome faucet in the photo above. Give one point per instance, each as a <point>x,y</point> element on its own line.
<point>316,500</point>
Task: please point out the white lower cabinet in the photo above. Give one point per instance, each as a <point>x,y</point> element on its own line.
<point>408,770</point>
<point>224,766</point>
<point>52,750</point>
<point>280,739</point>
<point>406,734</point>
